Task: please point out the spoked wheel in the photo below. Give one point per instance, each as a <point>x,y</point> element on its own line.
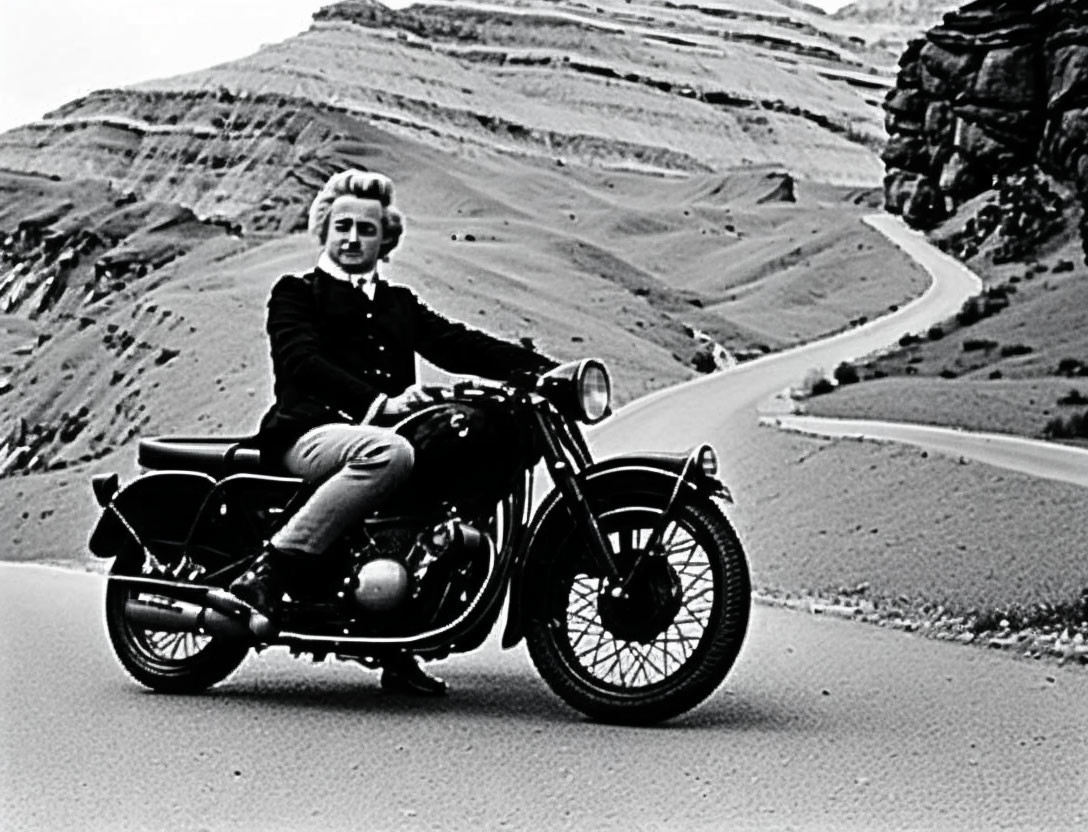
<point>663,644</point>
<point>166,661</point>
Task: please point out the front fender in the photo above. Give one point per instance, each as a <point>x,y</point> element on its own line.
<point>652,478</point>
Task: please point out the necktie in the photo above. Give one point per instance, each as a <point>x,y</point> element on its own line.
<point>365,286</point>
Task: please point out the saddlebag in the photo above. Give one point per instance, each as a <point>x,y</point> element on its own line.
<point>155,512</point>
<point>174,513</point>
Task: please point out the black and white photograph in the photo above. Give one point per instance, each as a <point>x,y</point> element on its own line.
<point>544,415</point>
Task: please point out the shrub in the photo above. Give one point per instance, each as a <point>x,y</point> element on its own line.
<point>909,340</point>
<point>1073,427</point>
<point>846,373</point>
<point>973,344</point>
<point>935,333</point>
<point>703,360</point>
<point>947,373</point>
<point>970,312</point>
<point>816,383</point>
<point>1015,349</point>
<point>996,374</point>
<point>1073,397</point>
<point>1070,367</point>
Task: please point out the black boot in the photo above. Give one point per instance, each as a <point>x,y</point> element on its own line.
<point>402,674</point>
<point>260,589</point>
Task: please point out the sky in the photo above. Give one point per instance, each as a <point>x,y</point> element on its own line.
<point>52,51</point>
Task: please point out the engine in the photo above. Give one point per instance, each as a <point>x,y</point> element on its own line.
<point>381,585</point>
<point>428,577</point>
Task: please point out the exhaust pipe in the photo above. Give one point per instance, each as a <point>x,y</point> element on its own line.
<point>169,615</point>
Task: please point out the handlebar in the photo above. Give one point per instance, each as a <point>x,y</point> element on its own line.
<point>519,383</point>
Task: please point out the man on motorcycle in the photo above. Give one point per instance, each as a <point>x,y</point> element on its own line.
<point>344,345</point>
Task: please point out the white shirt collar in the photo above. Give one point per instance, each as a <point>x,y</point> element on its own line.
<point>364,281</point>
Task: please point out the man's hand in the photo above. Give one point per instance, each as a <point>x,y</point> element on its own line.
<point>410,400</point>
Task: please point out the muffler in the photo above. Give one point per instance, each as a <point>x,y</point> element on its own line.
<point>173,616</point>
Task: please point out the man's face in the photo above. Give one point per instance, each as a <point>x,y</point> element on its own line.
<point>355,233</point>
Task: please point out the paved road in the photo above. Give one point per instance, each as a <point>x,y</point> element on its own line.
<point>1028,456</point>
<point>823,724</point>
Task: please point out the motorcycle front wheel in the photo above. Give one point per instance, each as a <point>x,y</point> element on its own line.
<point>668,641</point>
<point>165,661</point>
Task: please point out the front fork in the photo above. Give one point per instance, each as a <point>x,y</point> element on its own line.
<point>566,480</point>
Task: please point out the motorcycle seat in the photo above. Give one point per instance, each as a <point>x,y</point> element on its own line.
<point>218,456</point>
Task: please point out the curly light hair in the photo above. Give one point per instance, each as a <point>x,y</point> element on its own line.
<point>365,185</point>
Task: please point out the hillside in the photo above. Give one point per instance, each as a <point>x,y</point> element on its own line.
<point>603,181</point>
<point>888,26</point>
<point>917,14</point>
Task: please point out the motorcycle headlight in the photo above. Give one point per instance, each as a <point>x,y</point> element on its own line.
<point>594,389</point>
<point>581,388</point>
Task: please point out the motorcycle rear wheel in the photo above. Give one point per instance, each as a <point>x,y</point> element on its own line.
<point>168,662</point>
<point>572,638</point>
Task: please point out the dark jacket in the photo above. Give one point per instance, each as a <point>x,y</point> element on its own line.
<point>334,351</point>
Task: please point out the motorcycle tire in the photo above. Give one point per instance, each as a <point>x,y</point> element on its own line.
<point>571,612</point>
<point>166,662</point>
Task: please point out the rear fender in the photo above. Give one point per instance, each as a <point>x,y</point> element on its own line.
<point>651,479</point>
<point>152,512</point>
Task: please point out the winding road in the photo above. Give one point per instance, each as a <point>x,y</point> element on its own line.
<point>707,408</point>
<point>823,724</point>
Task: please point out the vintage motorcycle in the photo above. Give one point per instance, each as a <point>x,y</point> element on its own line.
<point>628,581</point>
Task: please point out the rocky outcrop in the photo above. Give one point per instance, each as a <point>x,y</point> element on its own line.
<point>998,87</point>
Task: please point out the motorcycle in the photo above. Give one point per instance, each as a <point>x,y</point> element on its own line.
<point>628,582</point>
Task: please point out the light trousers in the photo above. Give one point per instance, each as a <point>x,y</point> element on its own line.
<point>364,466</point>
